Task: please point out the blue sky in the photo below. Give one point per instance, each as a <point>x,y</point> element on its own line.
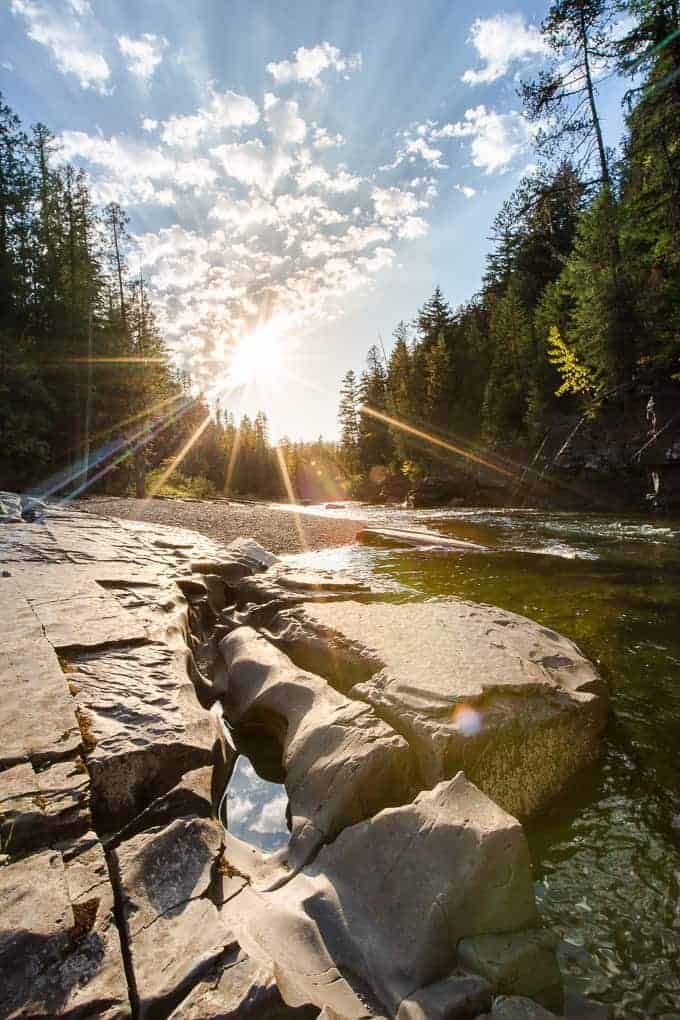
<point>299,175</point>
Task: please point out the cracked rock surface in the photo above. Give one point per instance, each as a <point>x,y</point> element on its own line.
<point>140,661</point>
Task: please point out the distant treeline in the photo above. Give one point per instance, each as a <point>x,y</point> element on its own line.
<point>89,399</point>
<point>582,288</point>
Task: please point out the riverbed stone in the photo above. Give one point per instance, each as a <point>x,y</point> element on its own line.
<point>341,762</point>
<point>517,1007</point>
<point>472,687</point>
<point>379,890</point>
<point>523,963</point>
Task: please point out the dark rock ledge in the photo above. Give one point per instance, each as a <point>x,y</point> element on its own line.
<point>136,659</point>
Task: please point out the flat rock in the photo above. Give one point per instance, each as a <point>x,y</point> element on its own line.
<point>471,687</point>
<point>170,887</point>
<point>59,948</point>
<point>43,808</point>
<point>341,762</point>
<point>143,726</point>
<point>36,711</point>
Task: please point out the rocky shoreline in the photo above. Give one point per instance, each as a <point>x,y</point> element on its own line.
<point>142,660</point>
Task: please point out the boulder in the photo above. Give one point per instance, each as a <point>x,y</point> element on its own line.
<point>341,763</point>
<point>377,917</point>
<point>471,687</point>
<point>517,964</point>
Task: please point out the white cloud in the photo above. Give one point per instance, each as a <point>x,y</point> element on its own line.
<point>420,147</point>
<point>143,54</point>
<point>497,138</point>
<point>412,228</point>
<point>6,65</point>
<point>308,64</point>
<point>133,172</point>
<point>225,110</point>
<point>54,27</point>
<point>501,41</point>
<point>340,182</point>
<point>392,204</point>
<point>284,120</point>
<point>465,190</point>
<point>238,808</point>
<point>272,816</point>
<point>252,163</point>
<point>323,140</point>
<point>417,145</point>
<point>285,228</point>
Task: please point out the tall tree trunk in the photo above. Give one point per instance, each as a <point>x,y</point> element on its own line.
<point>602,153</point>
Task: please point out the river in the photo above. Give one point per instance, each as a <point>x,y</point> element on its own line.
<point>607,854</point>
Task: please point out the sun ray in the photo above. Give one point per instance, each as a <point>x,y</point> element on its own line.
<point>232,462</point>
<point>179,457</point>
<point>434,440</point>
<point>285,476</point>
<point>127,446</point>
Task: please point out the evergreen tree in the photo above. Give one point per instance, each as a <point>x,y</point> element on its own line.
<point>349,424</point>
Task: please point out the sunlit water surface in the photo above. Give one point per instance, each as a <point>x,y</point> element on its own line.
<point>607,854</point>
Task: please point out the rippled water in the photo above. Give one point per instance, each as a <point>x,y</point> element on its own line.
<point>607,855</point>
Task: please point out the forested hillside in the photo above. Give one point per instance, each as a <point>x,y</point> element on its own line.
<point>581,295</point>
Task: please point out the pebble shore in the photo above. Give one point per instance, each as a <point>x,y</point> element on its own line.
<point>278,530</point>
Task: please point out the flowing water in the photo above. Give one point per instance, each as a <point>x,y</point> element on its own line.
<point>607,854</point>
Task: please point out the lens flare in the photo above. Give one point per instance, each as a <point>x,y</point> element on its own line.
<point>467,720</point>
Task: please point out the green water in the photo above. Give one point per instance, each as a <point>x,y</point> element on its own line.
<point>607,854</point>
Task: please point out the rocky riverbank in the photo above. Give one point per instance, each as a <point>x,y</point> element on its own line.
<point>142,660</point>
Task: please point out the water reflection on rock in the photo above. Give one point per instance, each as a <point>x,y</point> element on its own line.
<point>256,809</point>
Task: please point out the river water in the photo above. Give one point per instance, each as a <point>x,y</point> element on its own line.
<point>607,854</point>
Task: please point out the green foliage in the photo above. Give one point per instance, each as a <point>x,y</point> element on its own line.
<point>178,484</point>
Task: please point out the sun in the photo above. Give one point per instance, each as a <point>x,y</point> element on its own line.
<point>257,357</point>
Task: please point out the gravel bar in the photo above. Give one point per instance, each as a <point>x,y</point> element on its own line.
<point>281,531</point>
